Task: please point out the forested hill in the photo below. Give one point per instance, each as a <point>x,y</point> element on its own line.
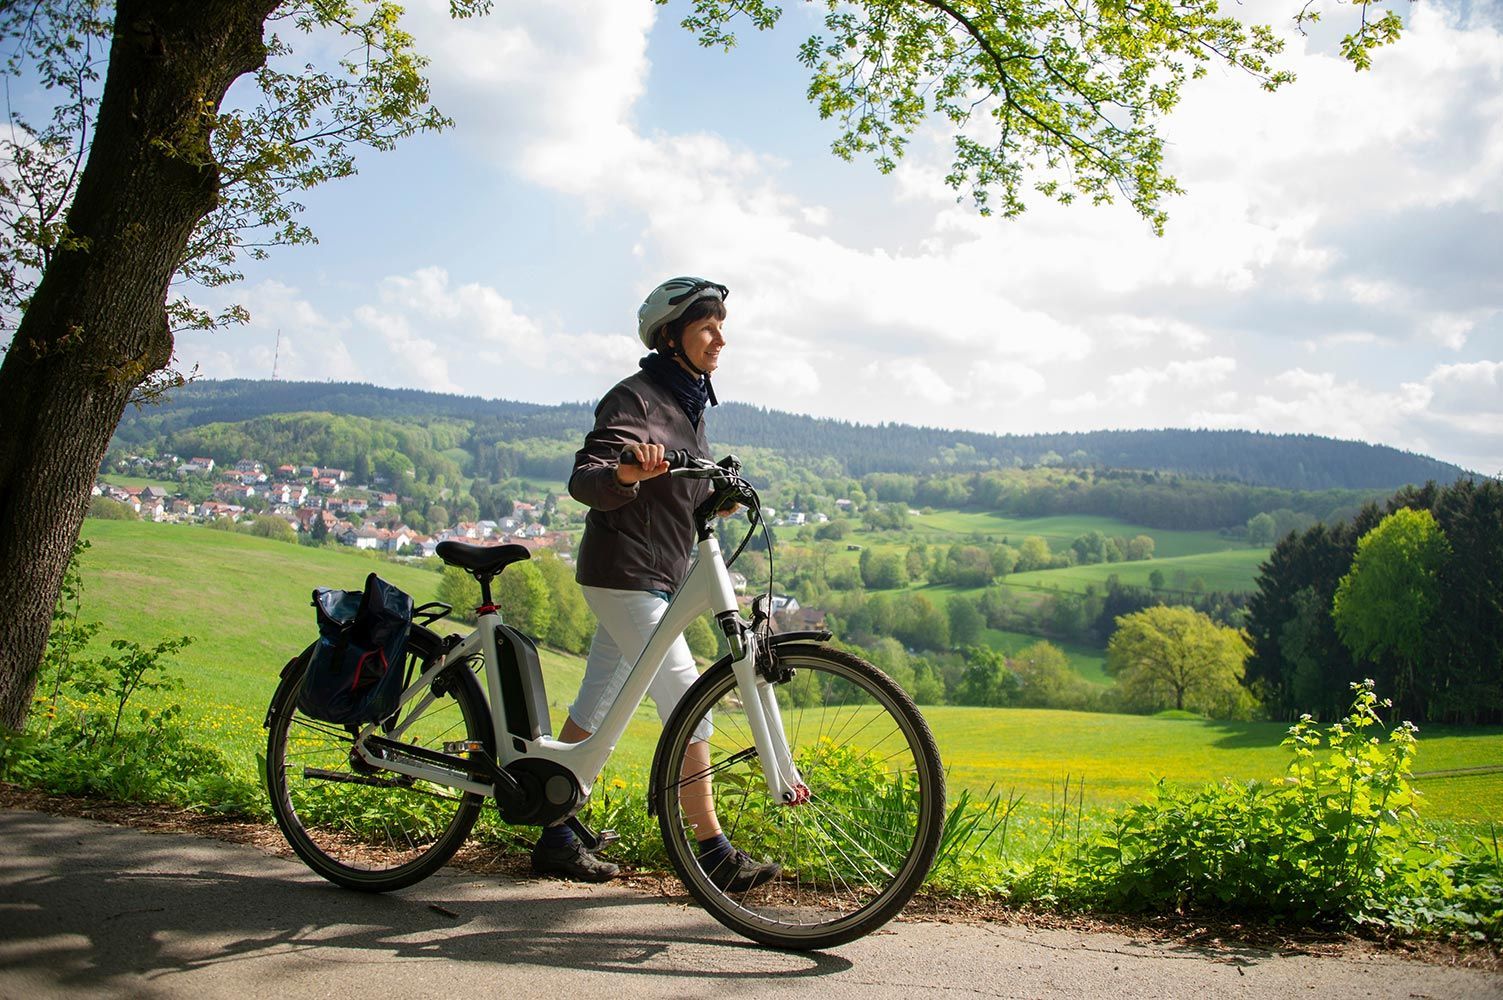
<point>1302,462</point>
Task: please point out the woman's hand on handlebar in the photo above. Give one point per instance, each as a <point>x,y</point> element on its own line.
<point>650,463</point>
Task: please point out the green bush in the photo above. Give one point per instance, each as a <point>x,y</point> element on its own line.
<point>84,737</point>
<point>111,510</point>
<point>1335,841</point>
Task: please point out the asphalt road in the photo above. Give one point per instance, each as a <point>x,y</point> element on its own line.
<point>88,909</point>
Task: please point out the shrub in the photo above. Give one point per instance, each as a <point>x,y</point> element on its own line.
<point>111,510</point>
<point>1335,841</point>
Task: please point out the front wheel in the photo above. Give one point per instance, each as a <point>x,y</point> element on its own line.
<point>862,844</point>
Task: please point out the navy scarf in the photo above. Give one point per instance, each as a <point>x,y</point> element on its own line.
<point>692,392</point>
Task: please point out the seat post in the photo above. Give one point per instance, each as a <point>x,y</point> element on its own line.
<point>485,589</point>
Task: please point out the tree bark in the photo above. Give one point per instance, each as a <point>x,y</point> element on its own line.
<point>97,325</point>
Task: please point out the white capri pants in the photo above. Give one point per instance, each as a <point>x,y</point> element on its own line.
<point>627,619</point>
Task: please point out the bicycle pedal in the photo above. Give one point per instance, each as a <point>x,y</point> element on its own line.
<point>464,746</point>
<point>607,838</point>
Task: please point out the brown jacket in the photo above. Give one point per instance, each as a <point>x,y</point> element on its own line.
<point>637,537</point>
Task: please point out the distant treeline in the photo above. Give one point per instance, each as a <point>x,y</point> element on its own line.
<point>1299,663</point>
<point>1154,499</point>
<point>423,459</point>
<point>497,427</point>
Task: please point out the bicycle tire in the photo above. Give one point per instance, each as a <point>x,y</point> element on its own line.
<point>854,854</point>
<point>369,829</point>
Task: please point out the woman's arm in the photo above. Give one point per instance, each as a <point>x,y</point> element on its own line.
<point>620,421</point>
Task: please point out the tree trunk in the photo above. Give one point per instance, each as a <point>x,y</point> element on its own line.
<point>97,326</point>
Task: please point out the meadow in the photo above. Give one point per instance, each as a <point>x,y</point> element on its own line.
<point>245,601</point>
<point>1234,570</point>
<point>1219,563</point>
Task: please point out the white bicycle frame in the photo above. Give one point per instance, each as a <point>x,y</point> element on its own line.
<point>706,588</point>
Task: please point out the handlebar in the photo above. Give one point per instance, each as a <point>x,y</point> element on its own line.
<point>677,459</point>
<point>683,465</point>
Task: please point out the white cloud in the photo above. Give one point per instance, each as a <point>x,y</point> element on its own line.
<point>841,309</point>
<point>1448,329</point>
<point>1468,396</point>
<point>1134,386</point>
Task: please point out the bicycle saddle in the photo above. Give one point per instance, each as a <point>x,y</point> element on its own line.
<point>487,560</point>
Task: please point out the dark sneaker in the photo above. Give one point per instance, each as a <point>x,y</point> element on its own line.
<point>572,861</point>
<point>739,872</point>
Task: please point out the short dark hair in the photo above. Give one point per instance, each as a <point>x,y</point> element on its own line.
<point>672,332</point>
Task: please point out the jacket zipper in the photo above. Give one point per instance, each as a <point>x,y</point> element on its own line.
<point>652,549</point>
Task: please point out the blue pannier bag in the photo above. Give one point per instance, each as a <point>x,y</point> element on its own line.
<point>355,673</point>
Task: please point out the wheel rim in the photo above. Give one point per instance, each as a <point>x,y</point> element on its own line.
<point>864,841</point>
<point>360,822</point>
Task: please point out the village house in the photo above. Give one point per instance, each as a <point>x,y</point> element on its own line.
<point>386,499</point>
<point>197,467</point>
<point>228,491</point>
<point>801,619</point>
<point>326,484</point>
<point>288,493</point>
<point>307,515</point>
<point>556,540</point>
<point>368,536</point>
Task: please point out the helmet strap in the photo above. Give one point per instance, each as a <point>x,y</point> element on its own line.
<point>678,352</point>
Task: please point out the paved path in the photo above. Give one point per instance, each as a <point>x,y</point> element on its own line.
<point>89,910</point>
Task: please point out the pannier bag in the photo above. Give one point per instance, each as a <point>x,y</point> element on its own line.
<point>355,670</point>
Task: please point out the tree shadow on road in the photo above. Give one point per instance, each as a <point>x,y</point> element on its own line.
<point>129,915</point>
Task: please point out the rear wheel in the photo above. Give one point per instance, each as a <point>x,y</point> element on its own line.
<point>363,827</point>
<point>862,844</point>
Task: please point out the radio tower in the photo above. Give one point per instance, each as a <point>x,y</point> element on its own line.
<point>276,355</point>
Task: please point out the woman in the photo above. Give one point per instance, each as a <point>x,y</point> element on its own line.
<point>638,538</point>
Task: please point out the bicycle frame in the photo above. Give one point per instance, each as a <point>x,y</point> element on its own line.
<point>706,588</point>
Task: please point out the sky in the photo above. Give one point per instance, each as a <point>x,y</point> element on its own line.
<point>1335,266</point>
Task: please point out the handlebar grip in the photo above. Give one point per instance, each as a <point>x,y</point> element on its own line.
<point>677,458</point>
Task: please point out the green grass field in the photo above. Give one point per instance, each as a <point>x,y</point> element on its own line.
<point>1118,757</point>
<point>1060,531</point>
<point>115,479</point>
<point>245,601</point>
<point>1234,570</point>
<point>1222,564</point>
<point>1088,661</point>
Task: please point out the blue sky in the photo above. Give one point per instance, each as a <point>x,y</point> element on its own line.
<point>1336,266</point>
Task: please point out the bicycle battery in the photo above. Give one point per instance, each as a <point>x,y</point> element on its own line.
<point>522,691</point>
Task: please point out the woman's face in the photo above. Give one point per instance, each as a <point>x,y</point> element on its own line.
<point>702,341</point>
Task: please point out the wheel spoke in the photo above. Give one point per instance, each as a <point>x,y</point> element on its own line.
<point>364,826</point>
<point>852,854</point>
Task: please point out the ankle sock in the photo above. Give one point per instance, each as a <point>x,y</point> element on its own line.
<point>556,836</point>
<point>714,850</point>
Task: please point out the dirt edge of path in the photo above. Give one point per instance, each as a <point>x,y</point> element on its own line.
<point>1211,934</point>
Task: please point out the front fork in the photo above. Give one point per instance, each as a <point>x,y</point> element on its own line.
<point>760,702</point>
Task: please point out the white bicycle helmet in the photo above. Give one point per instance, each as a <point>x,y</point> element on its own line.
<point>672,299</point>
